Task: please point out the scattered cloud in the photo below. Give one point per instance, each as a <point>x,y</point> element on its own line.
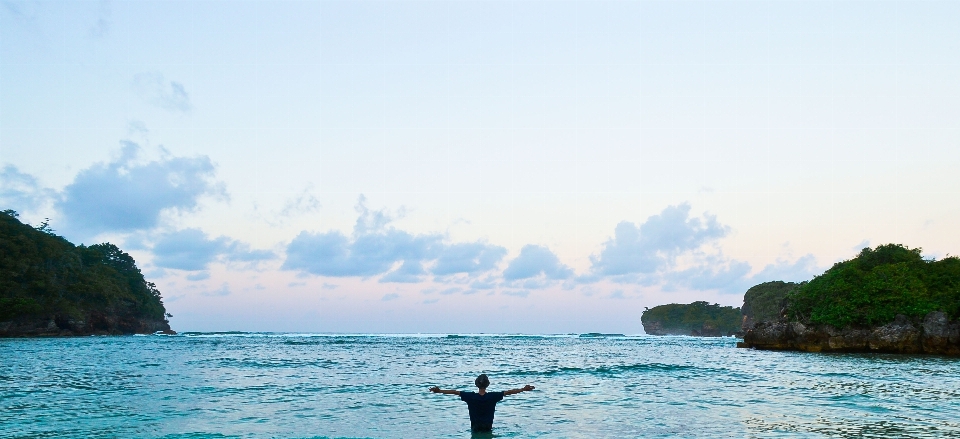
<point>193,250</point>
<point>23,10</point>
<point>21,191</point>
<point>200,275</point>
<point>535,260</point>
<point>304,202</point>
<point>804,268</point>
<point>468,258</point>
<point>486,283</point>
<point>410,271</point>
<point>677,251</point>
<point>102,26</point>
<point>712,272</point>
<point>224,290</point>
<point>154,89</point>
<point>389,297</point>
<point>655,244</point>
<point>327,286</point>
<point>375,248</point>
<point>187,249</point>
<point>516,293</point>
<point>124,195</point>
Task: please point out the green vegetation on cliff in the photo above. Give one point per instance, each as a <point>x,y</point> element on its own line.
<point>872,288</point>
<point>763,302</point>
<point>44,276</point>
<point>693,319</point>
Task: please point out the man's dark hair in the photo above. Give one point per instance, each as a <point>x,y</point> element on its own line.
<point>482,381</point>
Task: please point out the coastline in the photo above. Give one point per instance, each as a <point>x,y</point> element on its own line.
<point>934,334</point>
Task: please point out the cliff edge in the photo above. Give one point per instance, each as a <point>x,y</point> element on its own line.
<point>888,299</point>
<point>699,319</point>
<point>51,287</point>
<point>934,334</point>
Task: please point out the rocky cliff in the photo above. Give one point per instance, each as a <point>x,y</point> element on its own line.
<point>706,329</point>
<point>93,323</point>
<point>764,302</point>
<point>934,334</point>
<point>700,319</point>
<point>49,286</point>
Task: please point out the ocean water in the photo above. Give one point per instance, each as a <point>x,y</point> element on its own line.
<point>255,385</point>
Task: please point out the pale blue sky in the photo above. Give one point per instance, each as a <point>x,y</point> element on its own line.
<point>408,166</point>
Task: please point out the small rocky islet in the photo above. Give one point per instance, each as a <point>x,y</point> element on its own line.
<point>887,299</point>
<point>51,287</point>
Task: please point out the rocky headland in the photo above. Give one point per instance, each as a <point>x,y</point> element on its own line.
<point>93,323</point>
<point>699,319</point>
<point>934,334</point>
<point>51,287</point>
<point>886,300</point>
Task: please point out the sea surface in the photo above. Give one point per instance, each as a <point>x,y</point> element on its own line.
<point>267,385</point>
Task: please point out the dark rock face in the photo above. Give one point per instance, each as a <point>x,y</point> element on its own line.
<point>95,323</point>
<point>934,335</point>
<point>707,330</point>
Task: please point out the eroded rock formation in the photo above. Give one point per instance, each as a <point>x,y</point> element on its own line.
<point>935,334</point>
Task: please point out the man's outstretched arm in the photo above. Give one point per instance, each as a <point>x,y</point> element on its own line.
<point>526,388</point>
<point>436,389</point>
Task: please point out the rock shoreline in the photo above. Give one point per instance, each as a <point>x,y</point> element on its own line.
<point>93,324</point>
<point>706,330</point>
<point>935,334</point>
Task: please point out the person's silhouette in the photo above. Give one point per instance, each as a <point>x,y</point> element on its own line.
<point>481,404</point>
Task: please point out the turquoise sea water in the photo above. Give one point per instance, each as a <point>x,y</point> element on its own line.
<point>254,385</point>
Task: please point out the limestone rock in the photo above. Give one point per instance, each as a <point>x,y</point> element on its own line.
<point>935,335</point>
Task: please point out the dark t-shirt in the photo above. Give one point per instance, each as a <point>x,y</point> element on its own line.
<point>481,406</point>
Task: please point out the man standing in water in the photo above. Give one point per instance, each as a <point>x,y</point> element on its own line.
<point>482,403</point>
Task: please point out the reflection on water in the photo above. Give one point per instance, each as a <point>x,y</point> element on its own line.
<point>252,385</point>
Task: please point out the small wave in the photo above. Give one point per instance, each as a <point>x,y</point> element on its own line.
<point>606,370</point>
<point>599,335</point>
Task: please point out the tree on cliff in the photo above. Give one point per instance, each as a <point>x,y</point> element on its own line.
<point>693,319</point>
<point>763,302</point>
<point>45,277</point>
<point>872,288</point>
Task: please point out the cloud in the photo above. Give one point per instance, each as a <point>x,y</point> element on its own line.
<point>655,244</point>
<point>123,195</point>
<point>389,297</point>
<point>375,248</point>
<point>224,290</point>
<point>516,293</point>
<point>486,283</point>
<point>22,192</point>
<point>713,272</point>
<point>187,249</point>
<point>535,260</point>
<point>156,90</point>
<point>409,272</point>
<point>23,10</point>
<point>804,268</point>
<point>468,258</point>
<point>334,254</point>
<point>193,250</point>
<point>676,251</point>
<point>200,275</point>
<point>102,25</point>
